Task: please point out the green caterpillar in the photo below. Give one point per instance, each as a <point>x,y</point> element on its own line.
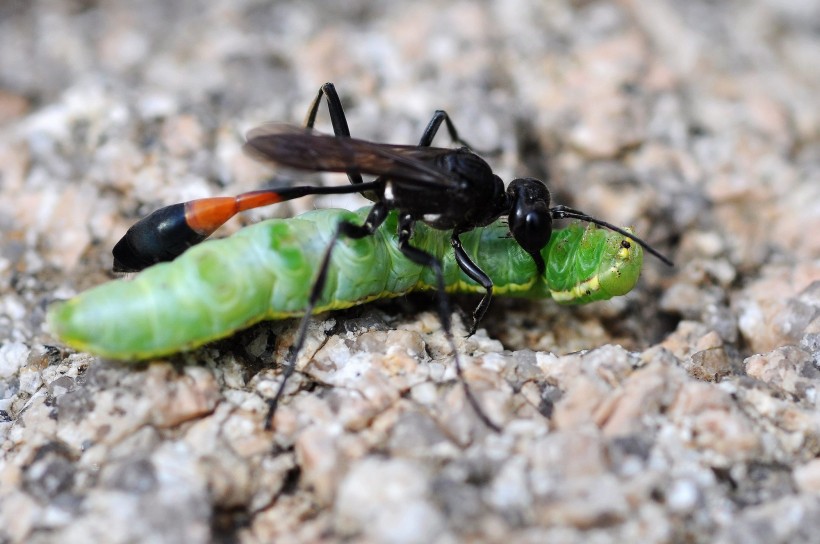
<point>265,271</point>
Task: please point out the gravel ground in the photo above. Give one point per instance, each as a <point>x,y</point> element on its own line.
<point>686,411</point>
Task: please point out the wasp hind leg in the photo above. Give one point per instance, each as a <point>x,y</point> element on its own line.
<point>378,213</point>
<point>337,119</point>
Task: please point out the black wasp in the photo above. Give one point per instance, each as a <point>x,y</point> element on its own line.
<point>448,189</point>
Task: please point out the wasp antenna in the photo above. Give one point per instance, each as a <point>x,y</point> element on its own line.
<point>561,212</point>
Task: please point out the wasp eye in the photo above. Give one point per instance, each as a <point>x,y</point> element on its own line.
<point>531,228</point>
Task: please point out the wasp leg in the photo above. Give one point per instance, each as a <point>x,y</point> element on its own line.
<point>423,258</point>
<point>432,129</point>
<point>441,116</point>
<point>337,118</point>
<point>477,275</point>
<point>378,213</point>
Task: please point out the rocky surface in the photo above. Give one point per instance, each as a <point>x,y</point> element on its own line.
<point>685,411</point>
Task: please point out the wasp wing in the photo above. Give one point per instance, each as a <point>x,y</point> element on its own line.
<point>307,149</point>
